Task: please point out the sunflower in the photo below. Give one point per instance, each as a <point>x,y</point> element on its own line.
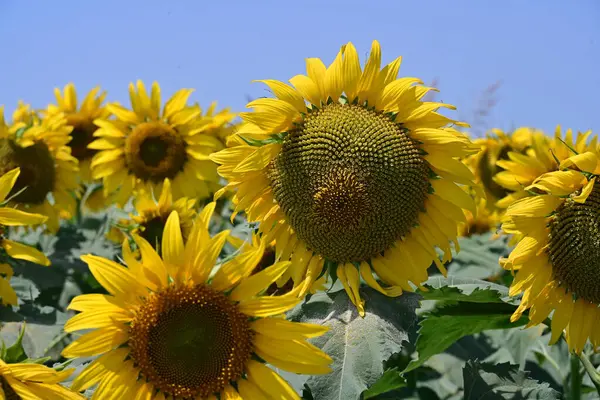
<point>169,330</point>
<point>558,258</point>
<point>350,169</point>
<point>519,169</point>
<point>48,179</point>
<point>81,118</point>
<point>152,216</point>
<point>143,146</point>
<point>485,220</point>
<point>495,147</point>
<point>220,123</point>
<point>34,381</point>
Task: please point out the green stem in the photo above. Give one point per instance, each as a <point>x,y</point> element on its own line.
<point>575,378</point>
<point>593,374</point>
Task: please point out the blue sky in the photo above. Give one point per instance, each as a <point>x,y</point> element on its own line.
<point>545,53</point>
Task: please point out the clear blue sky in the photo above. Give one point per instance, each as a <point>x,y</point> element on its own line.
<point>546,53</point>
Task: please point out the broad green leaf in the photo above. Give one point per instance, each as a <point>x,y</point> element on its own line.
<point>358,346</point>
<point>25,288</point>
<point>478,256</point>
<point>390,380</point>
<point>444,326</point>
<point>455,288</point>
<point>503,381</point>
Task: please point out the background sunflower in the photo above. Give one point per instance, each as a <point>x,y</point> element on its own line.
<point>145,145</point>
<point>48,180</point>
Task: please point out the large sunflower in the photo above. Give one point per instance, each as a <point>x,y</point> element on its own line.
<point>47,183</point>
<point>151,217</point>
<point>34,381</point>
<point>352,169</point>
<point>145,145</point>
<point>168,330</point>
<point>558,256</point>
<point>519,169</point>
<point>495,148</point>
<point>12,217</point>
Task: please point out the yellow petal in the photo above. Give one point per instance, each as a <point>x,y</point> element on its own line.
<point>96,342</point>
<point>585,192</point>
<point>268,306</point>
<point>24,252</point>
<point>14,217</point>
<point>7,181</point>
<point>151,259</point>
<point>115,278</point>
<point>282,329</point>
<point>98,368</point>
<point>537,206</point>
<point>585,161</point>
<point>259,281</point>
<point>307,88</point>
<point>263,375</point>
<point>172,241</point>
<point>286,93</point>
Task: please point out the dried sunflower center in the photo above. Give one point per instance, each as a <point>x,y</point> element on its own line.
<point>190,341</point>
<point>81,136</point>
<point>350,181</point>
<point>574,246</point>
<point>153,231</point>
<point>9,392</point>
<point>488,169</point>
<point>37,175</point>
<point>155,151</point>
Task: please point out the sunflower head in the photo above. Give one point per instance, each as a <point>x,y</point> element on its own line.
<point>350,168</point>
<point>145,145</point>
<point>557,256</point>
<point>80,117</point>
<point>151,216</point>
<point>521,168</point>
<point>176,330</point>
<point>498,147</point>
<point>48,173</point>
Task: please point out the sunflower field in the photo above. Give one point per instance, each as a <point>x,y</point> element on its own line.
<point>344,239</point>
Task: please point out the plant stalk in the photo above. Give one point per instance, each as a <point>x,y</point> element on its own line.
<point>591,371</point>
<point>575,378</point>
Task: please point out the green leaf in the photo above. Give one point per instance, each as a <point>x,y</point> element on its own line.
<point>358,346</point>
<point>390,380</point>
<point>503,381</point>
<point>15,353</point>
<point>444,326</point>
<point>25,288</point>
<point>453,288</point>
<point>478,256</point>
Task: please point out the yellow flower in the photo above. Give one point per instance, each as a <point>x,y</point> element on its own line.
<point>557,258</point>
<point>48,177</point>
<point>352,168</point>
<point>219,123</point>
<point>485,220</point>
<point>12,217</point>
<point>519,169</point>
<point>145,145</point>
<point>170,330</point>
<point>152,216</point>
<point>494,149</point>
<point>81,118</point>
<point>34,381</point>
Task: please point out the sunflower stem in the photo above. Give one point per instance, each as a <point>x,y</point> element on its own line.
<point>591,371</point>
<point>575,378</point>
